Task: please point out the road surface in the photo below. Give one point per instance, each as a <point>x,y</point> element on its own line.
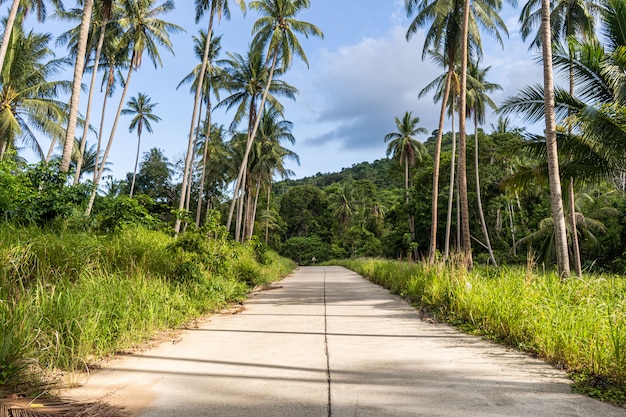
<point>326,342</point>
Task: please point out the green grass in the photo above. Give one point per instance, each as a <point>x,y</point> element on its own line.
<point>578,324</point>
<point>67,298</point>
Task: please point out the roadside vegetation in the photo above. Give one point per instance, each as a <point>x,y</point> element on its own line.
<point>69,298</point>
<point>577,324</point>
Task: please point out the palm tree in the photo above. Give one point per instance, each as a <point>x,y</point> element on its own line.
<point>342,204</point>
<point>212,84</point>
<point>76,85</point>
<point>444,34</point>
<point>407,150</point>
<point>268,158</point>
<point>143,32</point>
<point>28,100</point>
<point>569,20</point>
<point>216,164</point>
<point>100,21</point>
<point>26,6</point>
<point>219,7</point>
<point>276,32</point>
<point>439,84</point>
<point>477,101</point>
<point>247,79</point>
<point>141,108</point>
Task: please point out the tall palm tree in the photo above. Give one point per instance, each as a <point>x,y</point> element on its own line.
<point>247,80</point>
<point>407,150</point>
<point>275,31</point>
<point>76,85</point>
<point>99,22</point>
<point>439,84</point>
<point>28,99</point>
<point>477,101</point>
<point>219,8</point>
<point>212,84</point>
<point>445,34</point>
<point>141,109</point>
<point>268,158</point>
<point>143,32</point>
<point>569,20</point>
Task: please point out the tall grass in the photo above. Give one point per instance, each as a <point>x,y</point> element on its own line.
<point>68,298</point>
<point>579,324</point>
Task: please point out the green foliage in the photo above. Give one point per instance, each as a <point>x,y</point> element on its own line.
<point>69,297</point>
<point>304,250</point>
<point>113,214</point>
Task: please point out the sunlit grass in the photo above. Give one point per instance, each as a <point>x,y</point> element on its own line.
<point>67,299</point>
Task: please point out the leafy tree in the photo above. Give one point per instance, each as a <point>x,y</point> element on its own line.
<point>304,210</point>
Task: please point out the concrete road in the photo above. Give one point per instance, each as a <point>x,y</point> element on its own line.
<point>329,343</point>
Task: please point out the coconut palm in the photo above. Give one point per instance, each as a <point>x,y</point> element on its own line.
<point>445,34</point>
<point>275,31</point>
<point>28,99</point>
<point>439,85</point>
<point>219,8</point>
<point>99,23</point>
<point>141,109</point>
<point>478,100</point>
<point>212,84</point>
<point>407,150</point>
<point>569,20</point>
<point>26,6</point>
<point>76,85</point>
<point>247,81</point>
<point>216,165</point>
<point>143,32</point>
<point>268,158</point>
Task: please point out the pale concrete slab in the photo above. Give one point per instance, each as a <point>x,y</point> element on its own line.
<point>275,359</point>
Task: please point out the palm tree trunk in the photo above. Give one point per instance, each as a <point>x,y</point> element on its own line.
<point>256,202</point>
<point>572,199</point>
<point>446,248</point>
<point>110,81</point>
<point>466,243</point>
<point>252,134</point>
<point>187,170</point>
<point>556,197</point>
<point>76,86</point>
<point>406,190</point>
<point>572,219</point>
<point>512,225</point>
<point>92,85</point>
<point>480,203</point>
<point>111,136</point>
<point>267,220</point>
<point>205,161</point>
<point>4,47</point>
<point>132,186</point>
<point>435,195</point>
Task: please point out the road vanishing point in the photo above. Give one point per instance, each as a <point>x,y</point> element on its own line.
<point>326,342</point>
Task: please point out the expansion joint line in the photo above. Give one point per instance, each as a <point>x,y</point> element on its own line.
<point>329,403</point>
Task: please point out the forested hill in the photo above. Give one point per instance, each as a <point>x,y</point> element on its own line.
<point>384,173</point>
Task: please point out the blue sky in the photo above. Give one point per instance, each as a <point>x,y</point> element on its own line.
<point>361,75</point>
